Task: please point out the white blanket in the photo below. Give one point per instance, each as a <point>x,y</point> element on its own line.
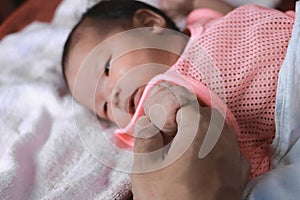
<point>42,155</point>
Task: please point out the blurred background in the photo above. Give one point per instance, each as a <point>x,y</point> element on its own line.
<point>7,7</point>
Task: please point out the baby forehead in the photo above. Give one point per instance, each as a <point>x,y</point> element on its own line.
<point>101,27</point>
<point>87,30</point>
<point>91,35</point>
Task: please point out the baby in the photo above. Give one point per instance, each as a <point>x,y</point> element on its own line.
<point>231,63</point>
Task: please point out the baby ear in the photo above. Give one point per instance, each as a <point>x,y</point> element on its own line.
<point>149,18</point>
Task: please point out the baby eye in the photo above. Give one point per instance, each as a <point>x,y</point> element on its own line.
<point>105,107</point>
<point>106,68</point>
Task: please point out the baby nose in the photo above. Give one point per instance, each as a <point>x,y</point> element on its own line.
<point>115,97</point>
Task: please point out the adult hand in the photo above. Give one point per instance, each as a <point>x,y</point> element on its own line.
<point>175,171</point>
<point>162,104</point>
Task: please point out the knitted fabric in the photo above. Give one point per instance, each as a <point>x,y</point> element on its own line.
<point>238,58</point>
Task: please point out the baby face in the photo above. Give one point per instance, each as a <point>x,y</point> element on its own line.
<point>110,80</point>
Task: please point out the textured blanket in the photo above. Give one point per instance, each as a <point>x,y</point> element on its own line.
<point>43,150</point>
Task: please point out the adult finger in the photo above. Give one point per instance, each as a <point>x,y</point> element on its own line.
<point>188,118</point>
<point>163,104</point>
<point>147,136</point>
<point>148,147</point>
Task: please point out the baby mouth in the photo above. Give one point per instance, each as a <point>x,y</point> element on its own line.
<point>135,99</point>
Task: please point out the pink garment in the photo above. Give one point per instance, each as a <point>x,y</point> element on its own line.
<point>232,64</point>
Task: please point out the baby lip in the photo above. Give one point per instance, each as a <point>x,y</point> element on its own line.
<point>134,100</point>
<point>137,97</point>
<point>131,102</point>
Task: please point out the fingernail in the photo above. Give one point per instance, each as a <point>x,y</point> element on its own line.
<point>158,115</point>
<point>141,124</point>
<point>145,129</point>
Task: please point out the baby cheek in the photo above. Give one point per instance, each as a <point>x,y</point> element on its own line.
<point>98,110</point>
<point>119,68</point>
<point>119,117</point>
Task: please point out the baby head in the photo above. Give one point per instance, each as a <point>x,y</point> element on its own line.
<point>113,85</point>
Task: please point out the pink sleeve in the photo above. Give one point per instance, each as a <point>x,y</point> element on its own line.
<point>202,16</point>
<point>290,13</point>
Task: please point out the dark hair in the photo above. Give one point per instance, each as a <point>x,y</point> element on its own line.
<point>111,10</point>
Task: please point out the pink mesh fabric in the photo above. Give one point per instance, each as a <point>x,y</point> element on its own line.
<point>238,58</point>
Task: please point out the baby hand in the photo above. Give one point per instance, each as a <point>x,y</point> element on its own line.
<point>176,8</point>
<point>162,104</point>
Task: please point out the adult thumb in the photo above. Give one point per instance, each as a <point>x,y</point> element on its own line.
<point>188,118</point>
<point>147,137</point>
